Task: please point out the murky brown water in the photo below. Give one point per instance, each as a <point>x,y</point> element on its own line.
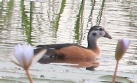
<point>52,25</point>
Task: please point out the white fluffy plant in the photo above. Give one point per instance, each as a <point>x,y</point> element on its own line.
<point>24,55</point>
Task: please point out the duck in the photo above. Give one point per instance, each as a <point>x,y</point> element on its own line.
<point>74,53</point>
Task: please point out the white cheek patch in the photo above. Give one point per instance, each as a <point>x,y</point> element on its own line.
<point>93,36</point>
<point>102,33</point>
<point>91,33</point>
<point>98,34</point>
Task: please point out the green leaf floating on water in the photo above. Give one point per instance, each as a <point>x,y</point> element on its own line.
<point>108,78</point>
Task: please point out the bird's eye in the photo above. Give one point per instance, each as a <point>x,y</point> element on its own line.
<point>101,29</point>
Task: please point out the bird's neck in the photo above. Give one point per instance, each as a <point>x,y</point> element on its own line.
<point>92,44</point>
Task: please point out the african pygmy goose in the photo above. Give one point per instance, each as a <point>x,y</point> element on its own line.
<point>73,53</point>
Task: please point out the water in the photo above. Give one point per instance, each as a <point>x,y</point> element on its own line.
<point>56,22</point>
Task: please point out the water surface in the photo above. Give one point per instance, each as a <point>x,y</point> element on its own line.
<point>68,21</point>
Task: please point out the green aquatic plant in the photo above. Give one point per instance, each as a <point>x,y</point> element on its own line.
<point>121,48</point>
<point>24,55</point>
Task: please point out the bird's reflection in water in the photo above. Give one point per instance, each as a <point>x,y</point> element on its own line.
<point>89,64</point>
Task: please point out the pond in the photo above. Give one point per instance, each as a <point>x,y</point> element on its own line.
<point>66,21</point>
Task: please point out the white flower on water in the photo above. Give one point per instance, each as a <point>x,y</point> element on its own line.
<point>25,55</point>
<point>121,48</point>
